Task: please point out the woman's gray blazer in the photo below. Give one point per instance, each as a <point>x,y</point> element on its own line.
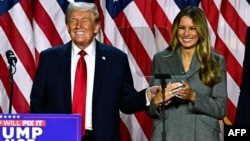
<point>188,121</point>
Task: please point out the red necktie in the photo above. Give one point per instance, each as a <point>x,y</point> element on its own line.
<point>79,96</point>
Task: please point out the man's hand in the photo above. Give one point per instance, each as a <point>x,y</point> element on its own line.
<point>153,91</point>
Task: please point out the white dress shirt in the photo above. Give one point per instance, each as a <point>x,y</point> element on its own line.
<point>90,62</point>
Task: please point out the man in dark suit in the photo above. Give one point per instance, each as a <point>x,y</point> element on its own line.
<point>243,111</point>
<point>109,84</point>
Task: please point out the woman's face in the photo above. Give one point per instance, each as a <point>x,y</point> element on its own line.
<point>187,33</point>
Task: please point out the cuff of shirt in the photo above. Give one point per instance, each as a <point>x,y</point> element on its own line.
<point>147,100</point>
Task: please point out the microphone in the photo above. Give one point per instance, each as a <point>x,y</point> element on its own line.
<point>162,76</point>
<point>11,58</point>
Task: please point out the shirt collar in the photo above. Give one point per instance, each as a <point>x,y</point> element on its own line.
<point>90,50</point>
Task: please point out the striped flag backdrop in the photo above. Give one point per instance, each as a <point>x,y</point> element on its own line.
<point>138,27</point>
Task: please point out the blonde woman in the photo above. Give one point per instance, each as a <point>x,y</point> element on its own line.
<point>193,113</point>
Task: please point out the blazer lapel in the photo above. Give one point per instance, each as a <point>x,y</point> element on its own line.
<point>194,66</point>
<point>175,64</point>
<point>176,67</point>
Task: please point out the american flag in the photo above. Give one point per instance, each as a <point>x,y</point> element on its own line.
<point>138,27</point>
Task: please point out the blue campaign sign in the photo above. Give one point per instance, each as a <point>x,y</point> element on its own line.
<point>40,127</point>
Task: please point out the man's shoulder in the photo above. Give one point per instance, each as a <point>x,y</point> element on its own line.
<point>110,49</point>
<point>58,48</point>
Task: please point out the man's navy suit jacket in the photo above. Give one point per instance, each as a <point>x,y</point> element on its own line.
<point>113,88</point>
<point>243,108</point>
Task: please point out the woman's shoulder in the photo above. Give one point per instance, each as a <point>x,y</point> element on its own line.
<point>217,55</point>
<point>166,51</point>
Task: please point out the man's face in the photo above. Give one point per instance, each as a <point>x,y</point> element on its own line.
<point>82,28</point>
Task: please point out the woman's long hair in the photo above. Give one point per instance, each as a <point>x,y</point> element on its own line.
<point>209,72</point>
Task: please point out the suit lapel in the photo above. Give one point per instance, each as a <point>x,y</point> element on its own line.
<point>100,65</point>
<point>64,58</point>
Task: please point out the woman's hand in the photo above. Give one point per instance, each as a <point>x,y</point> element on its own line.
<point>170,91</point>
<point>185,92</point>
